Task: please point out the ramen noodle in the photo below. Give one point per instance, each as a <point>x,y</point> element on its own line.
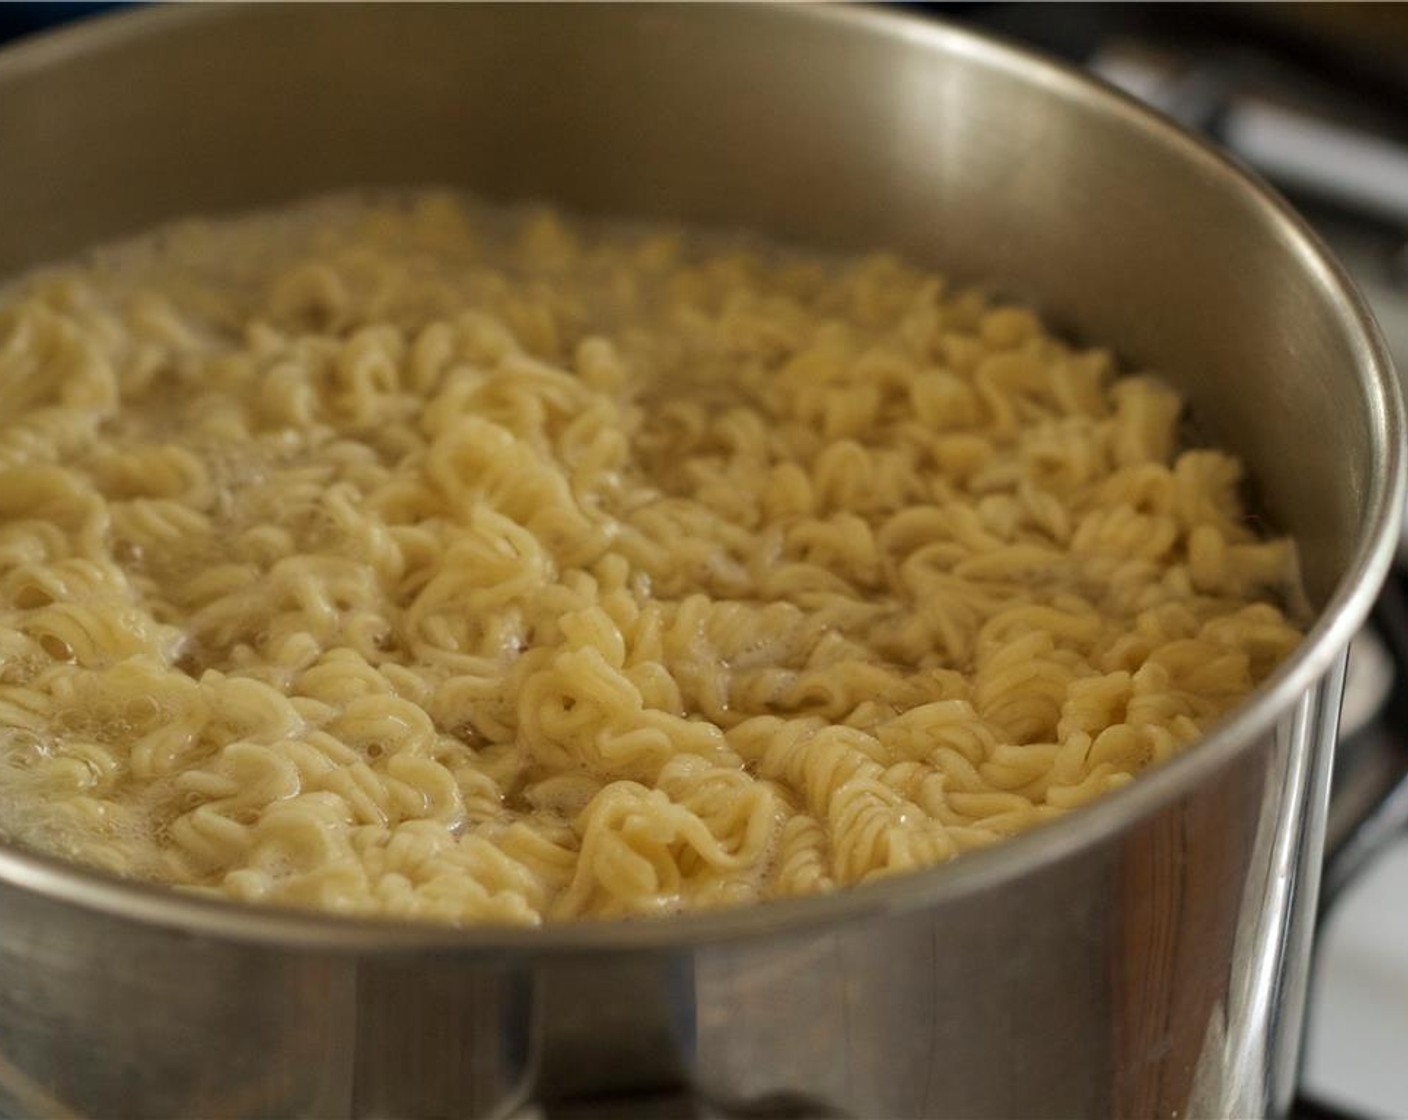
<point>402,557</point>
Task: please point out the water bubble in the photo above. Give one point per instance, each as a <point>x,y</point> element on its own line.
<point>31,597</point>
<point>56,647</point>
<point>141,709</point>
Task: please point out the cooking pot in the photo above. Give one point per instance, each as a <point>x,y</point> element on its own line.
<point>1143,957</point>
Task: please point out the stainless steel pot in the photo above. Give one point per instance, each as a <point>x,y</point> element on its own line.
<point>1145,957</point>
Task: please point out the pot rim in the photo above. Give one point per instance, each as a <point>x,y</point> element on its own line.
<point>1247,725</point>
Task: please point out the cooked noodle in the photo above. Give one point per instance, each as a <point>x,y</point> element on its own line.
<point>400,557</point>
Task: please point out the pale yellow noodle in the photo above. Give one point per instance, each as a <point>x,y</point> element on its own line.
<point>399,556</point>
